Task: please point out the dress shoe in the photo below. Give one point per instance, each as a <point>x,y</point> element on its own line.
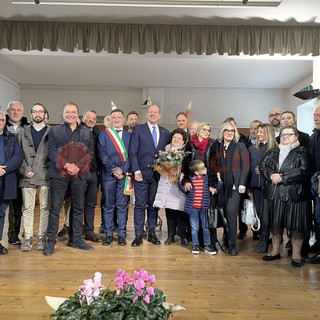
<point>48,249</point>
<point>101,228</point>
<point>137,242</point>
<point>314,260</point>
<point>271,258</point>
<point>15,241</point>
<point>233,252</point>
<point>82,245</point>
<point>108,240</point>
<point>3,250</point>
<point>169,241</point>
<point>122,241</point>
<point>296,263</point>
<point>92,237</point>
<point>184,242</point>
<point>242,236</point>
<point>153,239</point>
<point>64,231</point>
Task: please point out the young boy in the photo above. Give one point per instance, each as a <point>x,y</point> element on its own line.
<point>197,202</point>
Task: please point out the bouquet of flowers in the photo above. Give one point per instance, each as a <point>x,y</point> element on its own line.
<point>134,298</point>
<point>168,163</point>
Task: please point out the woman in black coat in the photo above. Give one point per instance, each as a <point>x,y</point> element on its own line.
<point>285,169</point>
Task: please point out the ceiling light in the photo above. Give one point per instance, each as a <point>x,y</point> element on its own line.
<point>158,3</point>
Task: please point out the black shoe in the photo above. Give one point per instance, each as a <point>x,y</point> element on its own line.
<point>122,241</point>
<point>314,260</point>
<point>271,258</point>
<point>242,236</point>
<point>48,249</point>
<point>233,252</point>
<point>3,250</point>
<point>15,241</point>
<point>288,244</point>
<point>137,242</point>
<point>184,242</point>
<point>64,231</point>
<point>107,241</point>
<point>169,241</point>
<point>101,228</point>
<point>297,263</point>
<point>153,239</point>
<point>82,245</point>
<point>92,237</point>
<point>70,243</point>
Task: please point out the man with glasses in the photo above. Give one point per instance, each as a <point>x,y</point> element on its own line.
<point>15,121</point>
<point>274,119</point>
<point>33,140</point>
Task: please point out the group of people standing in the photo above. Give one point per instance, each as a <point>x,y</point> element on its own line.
<point>273,165</point>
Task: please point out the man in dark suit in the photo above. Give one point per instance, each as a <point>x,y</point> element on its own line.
<point>146,140</point>
<point>70,148</point>
<point>113,146</point>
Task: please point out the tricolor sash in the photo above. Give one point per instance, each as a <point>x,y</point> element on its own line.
<point>118,144</point>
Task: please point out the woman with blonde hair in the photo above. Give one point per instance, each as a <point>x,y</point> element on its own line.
<point>231,160</point>
<point>264,142</point>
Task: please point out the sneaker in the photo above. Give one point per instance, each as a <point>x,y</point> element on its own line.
<point>195,250</point>
<point>27,245</point>
<point>41,244</point>
<point>210,250</point>
<point>15,241</point>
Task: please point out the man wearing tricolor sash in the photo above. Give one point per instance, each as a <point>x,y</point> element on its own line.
<point>113,145</point>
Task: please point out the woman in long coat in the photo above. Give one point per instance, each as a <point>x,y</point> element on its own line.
<point>285,169</point>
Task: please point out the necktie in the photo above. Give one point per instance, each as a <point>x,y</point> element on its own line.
<point>154,136</point>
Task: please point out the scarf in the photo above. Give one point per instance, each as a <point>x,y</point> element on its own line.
<point>201,146</point>
<point>285,150</point>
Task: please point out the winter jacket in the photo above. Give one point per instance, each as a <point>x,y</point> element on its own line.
<point>190,196</point>
<point>294,171</point>
<point>35,161</point>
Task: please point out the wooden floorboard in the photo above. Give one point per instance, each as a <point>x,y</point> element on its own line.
<point>209,287</point>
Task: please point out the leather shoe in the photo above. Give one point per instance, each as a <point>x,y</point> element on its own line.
<point>153,239</point>
<point>233,252</point>
<point>271,258</point>
<point>82,245</point>
<point>296,263</point>
<point>184,242</point>
<point>3,250</point>
<point>122,241</point>
<point>169,241</point>
<point>107,241</point>
<point>314,260</point>
<point>48,249</point>
<point>137,242</point>
<point>92,237</point>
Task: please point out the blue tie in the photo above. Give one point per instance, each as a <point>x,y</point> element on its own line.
<point>154,136</point>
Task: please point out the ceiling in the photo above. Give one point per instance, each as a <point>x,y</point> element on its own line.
<point>159,70</point>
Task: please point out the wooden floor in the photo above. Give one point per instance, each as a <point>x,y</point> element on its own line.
<point>209,287</point>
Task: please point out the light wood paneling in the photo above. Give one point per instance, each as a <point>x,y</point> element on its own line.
<point>209,287</point>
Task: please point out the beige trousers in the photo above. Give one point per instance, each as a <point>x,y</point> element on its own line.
<point>29,201</point>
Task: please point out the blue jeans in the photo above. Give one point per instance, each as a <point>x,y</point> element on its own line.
<point>194,222</point>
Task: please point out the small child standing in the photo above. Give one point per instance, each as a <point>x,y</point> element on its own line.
<point>197,202</point>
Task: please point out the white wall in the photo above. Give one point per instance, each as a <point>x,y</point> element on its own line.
<point>9,91</point>
<point>87,98</point>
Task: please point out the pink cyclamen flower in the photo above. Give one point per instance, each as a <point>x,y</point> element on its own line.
<point>152,279</point>
<point>144,274</point>
<point>146,299</point>
<point>150,291</point>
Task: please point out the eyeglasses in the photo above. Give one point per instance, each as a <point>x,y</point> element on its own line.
<point>274,115</point>
<point>37,111</point>
<point>229,130</point>
<point>207,130</point>
<point>287,135</point>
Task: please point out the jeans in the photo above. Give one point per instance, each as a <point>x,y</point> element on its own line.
<point>194,221</point>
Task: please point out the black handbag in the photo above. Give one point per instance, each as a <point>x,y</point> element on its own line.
<point>215,217</point>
